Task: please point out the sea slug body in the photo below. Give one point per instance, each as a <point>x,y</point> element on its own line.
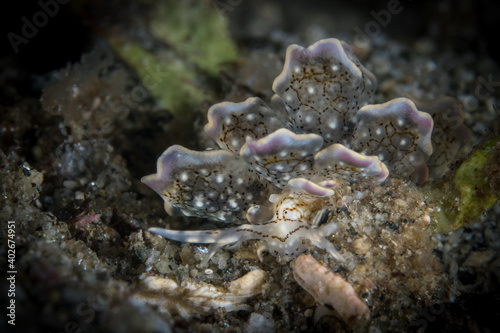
<point>274,163</point>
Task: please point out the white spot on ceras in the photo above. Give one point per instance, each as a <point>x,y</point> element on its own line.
<point>303,167</point>
<point>378,131</point>
<point>233,204</point>
<point>249,197</point>
<point>286,177</point>
<point>401,122</point>
<point>204,172</point>
<point>234,142</point>
<point>365,134</point>
<point>283,153</point>
<point>227,120</point>
<point>239,181</point>
<point>221,216</point>
<point>250,117</point>
<point>310,89</point>
<point>381,157</point>
<point>199,200</point>
<point>296,69</point>
<point>412,158</point>
<point>219,179</point>
<point>402,142</point>
<point>184,176</point>
<point>279,167</point>
<point>335,68</point>
<point>308,119</point>
<point>333,123</point>
<point>288,98</point>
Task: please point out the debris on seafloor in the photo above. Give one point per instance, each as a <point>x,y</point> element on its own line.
<point>191,298</point>
<point>329,289</point>
<point>88,95</point>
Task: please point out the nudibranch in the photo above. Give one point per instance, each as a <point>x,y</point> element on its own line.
<point>275,161</point>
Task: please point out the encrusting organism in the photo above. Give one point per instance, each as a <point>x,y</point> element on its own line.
<point>275,161</point>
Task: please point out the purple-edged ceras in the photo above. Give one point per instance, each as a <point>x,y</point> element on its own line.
<point>274,162</point>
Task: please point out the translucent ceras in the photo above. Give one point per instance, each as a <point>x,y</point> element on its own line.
<point>275,161</point>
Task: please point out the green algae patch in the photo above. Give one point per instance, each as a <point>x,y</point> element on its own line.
<point>468,191</point>
<point>187,45</point>
<point>171,82</point>
<point>196,31</point>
